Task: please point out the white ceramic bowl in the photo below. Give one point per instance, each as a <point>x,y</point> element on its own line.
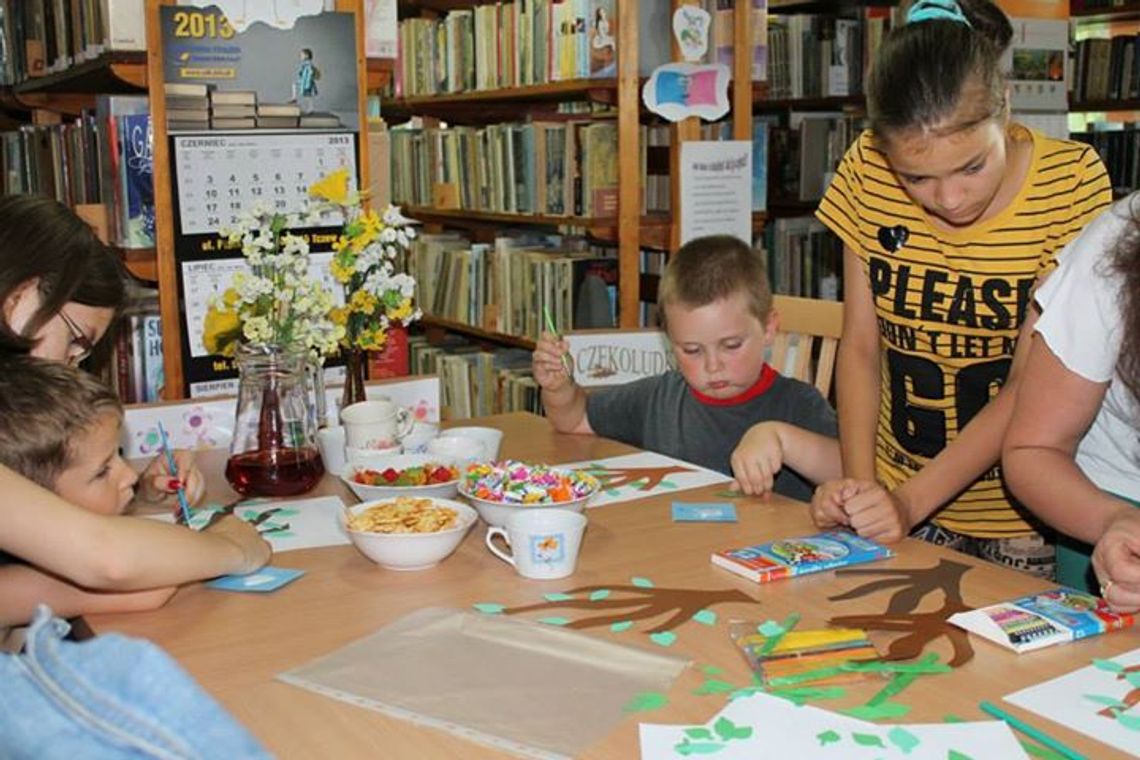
<point>399,462</point>
<point>411,551</point>
<point>460,450</point>
<point>491,438</point>
<point>497,512</point>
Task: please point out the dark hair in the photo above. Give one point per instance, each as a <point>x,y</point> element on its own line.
<point>710,268</point>
<point>43,240</point>
<point>1125,262</point>
<point>44,406</point>
<point>928,72</point>
<point>307,52</point>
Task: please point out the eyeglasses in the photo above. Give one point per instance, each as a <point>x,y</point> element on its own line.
<point>78,338</point>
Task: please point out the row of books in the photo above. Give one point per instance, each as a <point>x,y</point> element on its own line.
<point>134,367</point>
<point>1119,147</point>
<point>804,258</point>
<point>196,107</point>
<point>474,382</point>
<point>816,56</point>
<point>509,286</point>
<point>539,167</point>
<point>39,37</point>
<point>1106,69</point>
<point>101,157</point>
<point>804,151</point>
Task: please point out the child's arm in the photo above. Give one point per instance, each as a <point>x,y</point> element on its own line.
<point>112,552</point>
<point>155,483</point>
<point>22,587</point>
<point>562,398</point>
<point>1116,558</point>
<point>857,364</point>
<point>769,446</point>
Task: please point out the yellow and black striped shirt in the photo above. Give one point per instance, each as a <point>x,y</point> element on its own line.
<point>949,303</point>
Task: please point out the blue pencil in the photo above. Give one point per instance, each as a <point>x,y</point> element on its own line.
<point>1033,733</point>
<point>185,505</point>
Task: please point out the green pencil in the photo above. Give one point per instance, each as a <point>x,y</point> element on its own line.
<point>1033,733</point>
<point>565,358</point>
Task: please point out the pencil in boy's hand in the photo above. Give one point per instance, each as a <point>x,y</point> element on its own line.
<point>182,502</point>
<point>565,357</point>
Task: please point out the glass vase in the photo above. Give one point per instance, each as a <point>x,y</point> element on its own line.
<point>274,449</point>
<point>355,373</point>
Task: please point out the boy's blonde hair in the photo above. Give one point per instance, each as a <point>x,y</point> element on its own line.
<point>44,406</point>
<point>707,269</point>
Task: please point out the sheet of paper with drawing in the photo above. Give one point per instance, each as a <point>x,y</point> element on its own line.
<point>637,476</point>
<point>287,525</point>
<point>555,691</point>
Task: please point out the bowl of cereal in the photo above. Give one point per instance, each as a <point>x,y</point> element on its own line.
<point>500,489</point>
<point>393,475</point>
<point>408,533</point>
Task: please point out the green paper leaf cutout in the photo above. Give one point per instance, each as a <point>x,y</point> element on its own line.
<point>1040,752</point>
<point>646,700</point>
<point>903,739</point>
<point>714,686</point>
<point>698,732</point>
<point>489,608</point>
<point>613,492</point>
<point>956,755</point>
<point>728,494</point>
<point>640,484</point>
<point>1106,701</point>
<point>746,691</point>
<point>727,730</point>
<point>641,582</point>
<point>282,512</point>
<point>556,596</point>
<point>707,617</point>
<point>1131,722</point>
<point>1133,679</point>
<point>250,514</point>
<point>621,625</point>
<point>667,484</point>
<point>663,638</point>
<point>555,620</point>
<point>599,595</point>
<point>697,748</point>
<point>867,740</point>
<point>802,695</point>
<point>881,711</point>
<point>1108,665</point>
<point>711,670</point>
<point>828,737</point>
<point>951,718</point>
<point>770,628</point>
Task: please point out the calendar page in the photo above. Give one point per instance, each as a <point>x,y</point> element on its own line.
<point>219,175</point>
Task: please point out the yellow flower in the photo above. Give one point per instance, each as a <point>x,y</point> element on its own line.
<point>339,315</point>
<point>221,330</point>
<point>341,243</point>
<point>363,302</point>
<point>401,312</point>
<point>342,268</point>
<point>373,340</point>
<point>230,298</point>
<point>332,187</point>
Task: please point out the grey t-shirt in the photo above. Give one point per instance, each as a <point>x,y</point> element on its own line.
<point>662,414</point>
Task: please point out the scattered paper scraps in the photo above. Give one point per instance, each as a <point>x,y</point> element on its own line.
<point>703,512</point>
<point>260,581</point>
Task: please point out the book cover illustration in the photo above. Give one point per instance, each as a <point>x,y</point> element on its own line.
<point>1040,620</point>
<point>138,180</point>
<point>788,557</point>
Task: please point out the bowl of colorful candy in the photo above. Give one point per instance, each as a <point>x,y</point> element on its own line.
<point>500,489</point>
<point>419,475</point>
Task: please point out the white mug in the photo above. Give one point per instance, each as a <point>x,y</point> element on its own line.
<point>491,438</point>
<point>375,424</point>
<point>544,543</point>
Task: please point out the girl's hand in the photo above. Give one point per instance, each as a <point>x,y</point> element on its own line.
<point>827,503</point>
<point>877,514</point>
<point>156,483</point>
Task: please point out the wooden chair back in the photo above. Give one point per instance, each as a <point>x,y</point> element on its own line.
<point>808,339</point>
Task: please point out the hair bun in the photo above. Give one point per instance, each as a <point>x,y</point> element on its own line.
<point>988,20</point>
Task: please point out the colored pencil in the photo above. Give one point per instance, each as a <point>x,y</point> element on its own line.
<point>1033,733</point>
<point>182,503</point>
<point>565,358</point>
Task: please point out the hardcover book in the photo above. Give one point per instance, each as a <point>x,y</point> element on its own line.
<point>1040,620</point>
<point>788,557</point>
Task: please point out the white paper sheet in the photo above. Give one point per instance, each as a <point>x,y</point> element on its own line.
<point>297,524</point>
<point>680,476</point>
<point>1066,700</point>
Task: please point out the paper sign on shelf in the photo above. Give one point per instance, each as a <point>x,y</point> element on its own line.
<point>691,28</point>
<point>678,91</point>
<point>607,357</point>
<point>716,189</point>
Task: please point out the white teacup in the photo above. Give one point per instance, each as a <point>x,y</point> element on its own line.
<point>416,442</point>
<point>490,438</point>
<point>330,441</point>
<point>459,450</point>
<point>375,424</point>
<point>544,543</point>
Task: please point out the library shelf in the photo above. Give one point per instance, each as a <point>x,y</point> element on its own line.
<point>783,7</point>
<point>1087,106</point>
<point>1127,11</point>
<point>379,72</point>
<point>141,262</point>
<point>760,102</point>
<point>571,89</point>
<point>114,72</point>
<point>448,325</point>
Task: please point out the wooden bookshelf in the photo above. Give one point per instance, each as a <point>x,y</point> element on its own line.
<point>1087,106</point>
<point>463,217</point>
<point>838,103</point>
<point>1127,11</point>
<point>110,73</point>
<point>479,333</point>
<point>141,263</point>
<point>824,6</point>
<point>574,89</point>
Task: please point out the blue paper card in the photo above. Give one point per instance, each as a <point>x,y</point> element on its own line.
<point>265,579</point>
<point>703,512</point>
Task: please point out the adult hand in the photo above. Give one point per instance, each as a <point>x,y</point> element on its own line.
<point>157,484</point>
<point>255,550</point>
<point>877,514</point>
<point>1116,561</point>
<point>757,459</point>
<point>546,361</point>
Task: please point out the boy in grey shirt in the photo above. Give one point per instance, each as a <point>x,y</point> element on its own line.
<point>723,407</point>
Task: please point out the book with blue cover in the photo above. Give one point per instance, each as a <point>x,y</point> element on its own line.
<point>788,557</point>
<point>1040,620</point>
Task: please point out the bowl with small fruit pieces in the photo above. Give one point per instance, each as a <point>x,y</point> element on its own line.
<point>418,475</point>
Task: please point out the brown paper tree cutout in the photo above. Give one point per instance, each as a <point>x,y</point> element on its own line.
<point>1131,699</point>
<point>640,604</point>
<point>920,628</point>
<point>616,477</point>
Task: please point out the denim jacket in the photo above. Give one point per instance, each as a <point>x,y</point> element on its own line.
<point>109,697</point>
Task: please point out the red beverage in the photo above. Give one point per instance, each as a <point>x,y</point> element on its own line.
<point>275,472</point>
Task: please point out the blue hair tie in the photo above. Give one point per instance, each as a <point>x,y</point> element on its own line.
<point>936,10</point>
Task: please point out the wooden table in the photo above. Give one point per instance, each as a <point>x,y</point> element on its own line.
<point>235,644</point>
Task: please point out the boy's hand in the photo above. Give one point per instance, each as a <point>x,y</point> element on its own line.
<point>549,371</point>
<point>877,514</point>
<point>156,484</point>
<point>758,458</point>
<point>255,550</point>
<point>827,503</point>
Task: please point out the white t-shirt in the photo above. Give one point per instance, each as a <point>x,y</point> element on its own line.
<point>1081,322</point>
